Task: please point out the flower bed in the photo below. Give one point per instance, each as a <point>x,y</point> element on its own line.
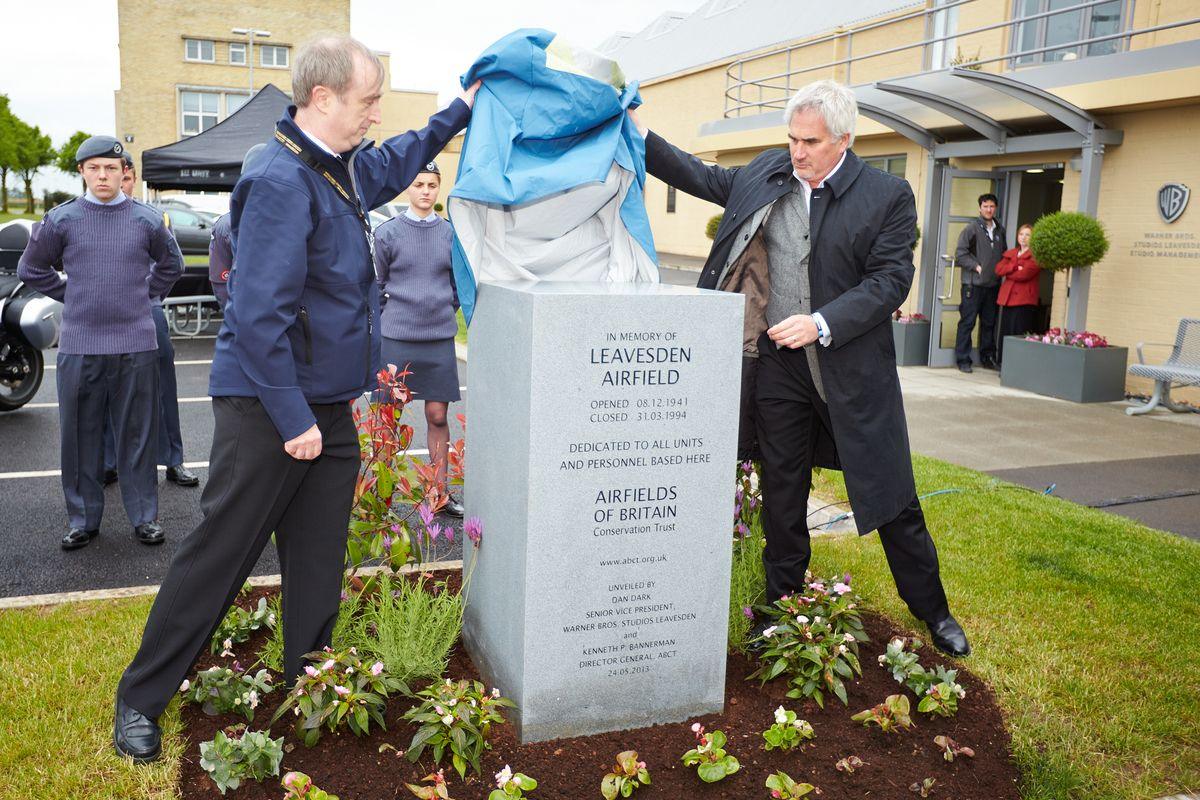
<point>374,766</point>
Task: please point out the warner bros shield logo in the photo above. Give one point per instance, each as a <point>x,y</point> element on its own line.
<point>1172,201</point>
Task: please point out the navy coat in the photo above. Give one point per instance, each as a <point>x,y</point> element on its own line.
<point>863,228</point>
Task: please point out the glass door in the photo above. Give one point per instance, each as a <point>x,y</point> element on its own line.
<point>960,206</point>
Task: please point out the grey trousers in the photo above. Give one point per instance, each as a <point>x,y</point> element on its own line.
<point>254,489</point>
<point>91,390</point>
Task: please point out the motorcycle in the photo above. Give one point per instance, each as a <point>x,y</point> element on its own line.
<point>29,323</point>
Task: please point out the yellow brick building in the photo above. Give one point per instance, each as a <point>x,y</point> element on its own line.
<point>183,69</point>
<point>715,81</point>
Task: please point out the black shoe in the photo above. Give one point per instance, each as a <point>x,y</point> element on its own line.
<point>990,363</point>
<point>949,638</point>
<point>182,476</point>
<point>454,508</point>
<point>965,367</point>
<point>149,533</point>
<point>135,735</point>
<point>755,641</point>
<point>110,477</point>
<point>77,538</point>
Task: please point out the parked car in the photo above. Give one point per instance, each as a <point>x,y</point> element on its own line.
<point>193,229</point>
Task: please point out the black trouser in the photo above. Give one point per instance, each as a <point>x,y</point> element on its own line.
<point>1016,321</point>
<point>93,389</point>
<point>170,439</point>
<point>977,301</point>
<point>790,415</point>
<point>254,488</point>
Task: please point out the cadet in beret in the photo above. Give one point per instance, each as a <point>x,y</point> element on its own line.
<point>170,437</point>
<point>116,254</point>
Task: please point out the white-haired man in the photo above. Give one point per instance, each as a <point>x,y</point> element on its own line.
<point>300,340</point>
<point>821,246</point>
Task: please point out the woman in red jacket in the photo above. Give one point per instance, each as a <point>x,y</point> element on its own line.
<point>1019,294</point>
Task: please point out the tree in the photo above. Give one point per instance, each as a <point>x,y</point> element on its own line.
<point>8,149</point>
<point>1067,240</point>
<point>34,151</point>
<point>65,160</point>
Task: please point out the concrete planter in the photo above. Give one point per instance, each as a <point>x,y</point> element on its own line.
<point>912,343</point>
<point>1095,375</point>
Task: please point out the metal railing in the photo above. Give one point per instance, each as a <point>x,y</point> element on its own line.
<point>774,90</point>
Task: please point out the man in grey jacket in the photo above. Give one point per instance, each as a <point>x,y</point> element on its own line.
<point>980,246</point>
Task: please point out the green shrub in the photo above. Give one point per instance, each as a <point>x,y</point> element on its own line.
<point>411,626</point>
<point>1068,240</point>
<point>710,230</point>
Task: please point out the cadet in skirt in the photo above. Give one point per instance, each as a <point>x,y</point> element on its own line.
<point>412,257</point>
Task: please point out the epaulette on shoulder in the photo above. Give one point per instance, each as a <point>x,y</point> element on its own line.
<point>63,210</point>
<point>149,213</point>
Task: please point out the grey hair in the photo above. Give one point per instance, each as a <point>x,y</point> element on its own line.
<point>329,61</point>
<point>835,102</point>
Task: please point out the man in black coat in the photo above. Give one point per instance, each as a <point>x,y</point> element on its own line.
<point>980,246</point>
<point>821,246</point>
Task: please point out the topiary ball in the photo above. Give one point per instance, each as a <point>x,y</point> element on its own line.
<point>1067,240</point>
<point>710,230</point>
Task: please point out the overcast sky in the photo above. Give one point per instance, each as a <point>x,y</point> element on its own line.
<point>60,69</point>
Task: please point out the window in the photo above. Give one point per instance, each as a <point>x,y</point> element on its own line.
<point>1079,24</point>
<point>182,219</point>
<point>893,165</point>
<point>670,199</point>
<point>234,101</point>
<point>198,50</point>
<point>237,53</point>
<point>273,55</point>
<point>199,111</point>
<point>942,54</point>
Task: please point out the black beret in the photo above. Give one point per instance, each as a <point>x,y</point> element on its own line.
<point>432,167</point>
<point>99,147</point>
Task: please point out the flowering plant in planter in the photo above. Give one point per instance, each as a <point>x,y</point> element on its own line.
<point>788,732</point>
<point>511,785</point>
<point>239,623</point>
<point>709,757</point>
<point>625,777</point>
<point>339,689</point>
<point>235,754</point>
<point>437,790</point>
<point>300,787</point>
<point>1085,339</point>
<point>224,690</point>
<point>458,715</point>
<point>891,715</point>
<point>814,640</point>
<point>784,788</point>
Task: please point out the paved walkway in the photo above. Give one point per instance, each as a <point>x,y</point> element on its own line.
<point>1094,452</point>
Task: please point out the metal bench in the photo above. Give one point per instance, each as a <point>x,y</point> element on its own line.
<point>1182,368</point>
<point>189,315</point>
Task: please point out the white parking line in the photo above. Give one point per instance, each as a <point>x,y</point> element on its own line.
<point>182,400</point>
<point>54,473</point>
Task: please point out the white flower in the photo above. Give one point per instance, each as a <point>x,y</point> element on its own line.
<point>253,698</point>
<point>452,702</point>
<point>271,620</point>
<point>897,643</point>
<point>448,720</point>
<point>961,693</point>
<point>883,661</point>
<point>842,649</point>
<point>349,670</point>
<point>495,692</point>
<point>803,620</point>
<point>780,715</point>
<point>503,777</point>
<point>448,683</point>
<point>769,631</point>
<point>183,687</point>
<point>296,710</point>
<point>816,620</point>
<point>849,637</point>
<point>354,650</point>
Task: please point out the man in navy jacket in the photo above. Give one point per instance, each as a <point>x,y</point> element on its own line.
<point>300,342</point>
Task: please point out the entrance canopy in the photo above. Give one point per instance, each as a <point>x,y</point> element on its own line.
<point>212,160</point>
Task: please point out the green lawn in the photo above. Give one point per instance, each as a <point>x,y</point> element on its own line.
<point>461,336</point>
<point>1085,624</point>
<point>14,215</point>
<point>198,259</point>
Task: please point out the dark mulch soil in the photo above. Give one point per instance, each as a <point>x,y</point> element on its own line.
<point>571,769</point>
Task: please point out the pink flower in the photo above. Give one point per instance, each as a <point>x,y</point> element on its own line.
<point>473,528</point>
<point>748,612</point>
<point>312,671</point>
<point>377,668</point>
<point>841,588</point>
<point>426,514</point>
<point>503,777</point>
<point>342,691</point>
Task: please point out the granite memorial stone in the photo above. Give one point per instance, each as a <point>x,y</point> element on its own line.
<point>602,456</point>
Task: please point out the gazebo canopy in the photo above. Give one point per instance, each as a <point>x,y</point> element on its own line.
<point>212,160</point>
